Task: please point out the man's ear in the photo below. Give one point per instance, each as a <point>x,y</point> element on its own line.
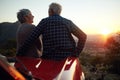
<point>51,12</point>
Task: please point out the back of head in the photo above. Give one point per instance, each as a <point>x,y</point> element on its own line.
<point>21,15</point>
<point>55,8</point>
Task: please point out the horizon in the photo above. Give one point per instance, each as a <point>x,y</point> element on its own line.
<point>89,34</point>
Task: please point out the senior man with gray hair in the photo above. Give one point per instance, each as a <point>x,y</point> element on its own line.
<point>25,17</point>
<point>56,31</point>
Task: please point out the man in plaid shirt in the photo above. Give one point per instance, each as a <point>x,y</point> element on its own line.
<point>56,31</point>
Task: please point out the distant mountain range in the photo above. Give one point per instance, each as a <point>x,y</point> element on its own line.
<point>8,31</point>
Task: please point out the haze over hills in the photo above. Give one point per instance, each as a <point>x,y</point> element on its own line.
<point>96,39</point>
<point>8,32</point>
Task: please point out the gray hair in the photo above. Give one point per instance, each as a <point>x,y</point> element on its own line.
<point>55,7</point>
<point>21,15</point>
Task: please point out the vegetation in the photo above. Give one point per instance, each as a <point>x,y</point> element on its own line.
<point>9,48</point>
<point>113,54</point>
<point>102,65</point>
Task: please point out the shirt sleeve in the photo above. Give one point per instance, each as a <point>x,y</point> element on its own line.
<point>81,38</point>
<point>31,39</point>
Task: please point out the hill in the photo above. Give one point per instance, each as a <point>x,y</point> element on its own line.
<point>8,31</point>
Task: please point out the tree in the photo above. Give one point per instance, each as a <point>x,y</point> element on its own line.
<point>113,53</point>
<point>9,48</point>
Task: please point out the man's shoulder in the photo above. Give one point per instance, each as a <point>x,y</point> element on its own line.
<point>66,20</point>
<point>57,17</point>
<point>45,18</point>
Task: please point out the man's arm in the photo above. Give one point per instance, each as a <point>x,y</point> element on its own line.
<point>81,38</point>
<point>30,40</point>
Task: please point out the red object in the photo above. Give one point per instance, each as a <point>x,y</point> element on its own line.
<point>48,69</point>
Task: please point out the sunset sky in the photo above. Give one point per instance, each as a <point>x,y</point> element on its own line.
<point>92,16</point>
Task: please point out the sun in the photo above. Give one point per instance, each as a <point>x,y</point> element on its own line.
<point>105,32</point>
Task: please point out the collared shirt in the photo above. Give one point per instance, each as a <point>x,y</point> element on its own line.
<point>56,36</point>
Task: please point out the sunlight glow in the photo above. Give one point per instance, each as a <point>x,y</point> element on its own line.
<point>105,32</point>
